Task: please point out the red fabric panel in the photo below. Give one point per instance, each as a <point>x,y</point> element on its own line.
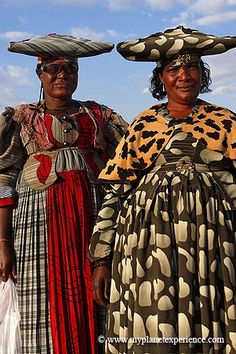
<point>8,202</point>
<point>44,168</point>
<point>72,310</point>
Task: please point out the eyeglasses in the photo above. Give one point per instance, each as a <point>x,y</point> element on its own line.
<point>54,69</point>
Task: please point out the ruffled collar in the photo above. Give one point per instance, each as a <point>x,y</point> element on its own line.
<point>170,121</point>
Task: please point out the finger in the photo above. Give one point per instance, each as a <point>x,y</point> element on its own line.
<point>14,275</point>
<point>4,275</point>
<point>107,288</point>
<point>99,297</point>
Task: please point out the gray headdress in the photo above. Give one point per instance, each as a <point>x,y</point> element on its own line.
<point>58,45</point>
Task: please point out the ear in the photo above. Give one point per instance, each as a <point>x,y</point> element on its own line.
<point>39,73</point>
<point>160,77</point>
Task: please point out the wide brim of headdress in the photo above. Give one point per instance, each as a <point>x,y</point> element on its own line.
<point>163,46</point>
<point>57,45</point>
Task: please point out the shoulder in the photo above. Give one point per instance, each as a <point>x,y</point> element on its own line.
<point>24,111</point>
<point>216,111</point>
<point>93,104</point>
<point>148,117</point>
<point>214,122</point>
<point>109,115</point>
<point>97,107</point>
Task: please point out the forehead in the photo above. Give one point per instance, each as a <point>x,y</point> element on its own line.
<point>184,59</point>
<point>59,61</point>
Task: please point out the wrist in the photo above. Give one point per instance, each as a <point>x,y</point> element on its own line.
<point>7,242</point>
<point>102,263</point>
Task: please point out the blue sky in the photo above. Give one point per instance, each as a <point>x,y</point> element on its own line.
<point>109,78</point>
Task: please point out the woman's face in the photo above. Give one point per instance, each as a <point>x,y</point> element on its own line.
<point>182,81</point>
<point>59,78</point>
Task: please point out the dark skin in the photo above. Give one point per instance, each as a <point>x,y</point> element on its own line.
<point>101,284</point>
<point>58,90</point>
<point>182,84</point>
<point>7,255</point>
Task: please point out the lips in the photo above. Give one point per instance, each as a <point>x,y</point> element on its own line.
<point>61,83</point>
<point>185,88</point>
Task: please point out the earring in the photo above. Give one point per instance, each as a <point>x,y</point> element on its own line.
<point>163,88</point>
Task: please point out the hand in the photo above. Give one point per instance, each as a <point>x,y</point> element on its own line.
<point>101,284</point>
<point>7,262</point>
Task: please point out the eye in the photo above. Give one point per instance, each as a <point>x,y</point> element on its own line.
<point>173,69</point>
<point>193,66</point>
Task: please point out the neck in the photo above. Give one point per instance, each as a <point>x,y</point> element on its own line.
<point>179,110</point>
<point>59,104</point>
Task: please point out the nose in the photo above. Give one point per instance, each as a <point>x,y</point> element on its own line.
<point>61,71</point>
<point>184,73</point>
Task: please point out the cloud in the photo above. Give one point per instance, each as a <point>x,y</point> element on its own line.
<point>208,13</point>
<point>15,36</point>
<point>113,33</point>
<point>216,19</point>
<point>18,75</point>
<point>10,77</point>
<point>211,7</point>
<point>121,4</point>
<point>76,2</point>
<point>183,19</point>
<point>86,32</point>
<point>50,2</point>
<point>160,4</point>
<point>223,90</point>
<point>222,71</point>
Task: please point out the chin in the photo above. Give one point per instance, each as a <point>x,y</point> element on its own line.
<point>188,98</point>
<point>62,94</point>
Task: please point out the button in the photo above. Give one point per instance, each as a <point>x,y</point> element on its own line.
<point>65,143</point>
<point>66,130</point>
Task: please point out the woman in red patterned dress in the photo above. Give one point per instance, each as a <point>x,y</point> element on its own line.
<point>51,154</point>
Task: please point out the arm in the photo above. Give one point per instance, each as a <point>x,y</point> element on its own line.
<point>101,281</point>
<point>7,255</point>
<point>115,126</point>
<point>101,244</point>
<point>11,160</point>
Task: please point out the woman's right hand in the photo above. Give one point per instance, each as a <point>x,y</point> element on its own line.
<point>101,284</point>
<point>7,261</point>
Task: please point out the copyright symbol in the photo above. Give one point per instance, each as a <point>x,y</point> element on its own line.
<point>101,339</point>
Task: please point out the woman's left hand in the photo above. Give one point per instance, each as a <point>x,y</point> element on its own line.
<point>101,284</point>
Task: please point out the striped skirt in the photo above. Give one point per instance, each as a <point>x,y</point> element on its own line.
<point>52,230</point>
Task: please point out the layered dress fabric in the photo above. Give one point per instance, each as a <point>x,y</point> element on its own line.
<point>169,222</point>
<point>54,162</point>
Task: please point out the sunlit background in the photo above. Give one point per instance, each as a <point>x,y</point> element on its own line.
<point>108,78</point>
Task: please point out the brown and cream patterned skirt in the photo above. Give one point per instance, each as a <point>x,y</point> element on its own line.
<point>173,286</point>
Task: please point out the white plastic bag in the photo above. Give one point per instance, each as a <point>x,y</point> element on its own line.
<point>10,341</point>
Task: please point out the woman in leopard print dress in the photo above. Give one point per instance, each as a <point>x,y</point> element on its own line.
<point>168,222</point>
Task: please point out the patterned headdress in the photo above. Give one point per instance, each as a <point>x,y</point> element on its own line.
<point>173,42</point>
<point>60,46</point>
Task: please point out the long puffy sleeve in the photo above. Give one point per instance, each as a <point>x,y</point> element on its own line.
<point>102,240</point>
<point>11,157</point>
<point>105,228</point>
<point>115,127</point>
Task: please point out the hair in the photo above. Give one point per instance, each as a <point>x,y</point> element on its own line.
<point>157,87</point>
